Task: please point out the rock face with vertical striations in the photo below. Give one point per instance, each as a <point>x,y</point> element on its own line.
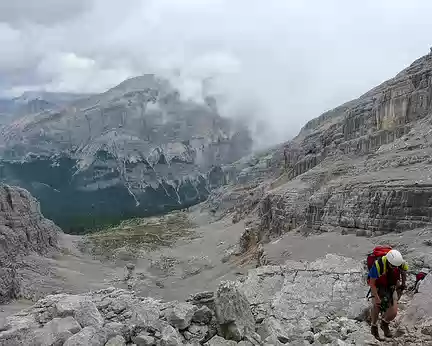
<point>137,149</point>
<point>364,167</point>
<point>23,231</point>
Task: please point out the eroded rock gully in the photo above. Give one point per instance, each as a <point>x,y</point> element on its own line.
<point>298,303</point>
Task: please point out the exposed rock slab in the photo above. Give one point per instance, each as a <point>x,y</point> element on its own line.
<point>23,231</point>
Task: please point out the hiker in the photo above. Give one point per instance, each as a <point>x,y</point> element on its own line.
<point>386,287</point>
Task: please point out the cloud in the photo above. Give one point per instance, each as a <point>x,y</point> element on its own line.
<point>277,62</point>
<point>21,12</point>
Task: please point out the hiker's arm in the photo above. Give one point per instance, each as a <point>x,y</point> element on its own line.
<point>374,290</point>
<point>404,277</point>
<point>404,269</point>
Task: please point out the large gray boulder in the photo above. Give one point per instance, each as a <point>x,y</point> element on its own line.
<point>419,314</point>
<point>287,299</point>
<point>82,308</point>
<point>202,315</point>
<point>88,336</point>
<point>56,332</point>
<point>219,341</point>
<point>170,337</point>
<point>233,311</point>
<point>117,341</point>
<point>181,314</point>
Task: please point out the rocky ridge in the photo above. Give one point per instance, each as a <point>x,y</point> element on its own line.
<point>23,231</point>
<point>298,303</point>
<point>362,168</point>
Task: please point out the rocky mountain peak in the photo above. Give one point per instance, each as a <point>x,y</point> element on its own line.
<point>135,149</point>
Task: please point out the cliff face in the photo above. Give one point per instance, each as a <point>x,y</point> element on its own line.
<point>23,231</point>
<point>136,149</point>
<point>364,167</point>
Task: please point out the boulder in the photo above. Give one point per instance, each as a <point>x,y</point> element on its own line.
<point>219,341</point>
<point>196,333</point>
<point>419,314</point>
<point>88,315</point>
<point>205,298</point>
<point>203,315</point>
<point>112,329</point>
<point>88,336</point>
<point>144,339</point>
<point>170,337</point>
<point>18,330</point>
<point>233,311</point>
<point>145,314</point>
<point>56,331</point>
<point>82,308</point>
<point>180,315</point>
<point>289,297</point>
<point>116,341</point>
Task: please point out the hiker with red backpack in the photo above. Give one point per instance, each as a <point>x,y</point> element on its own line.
<point>387,281</point>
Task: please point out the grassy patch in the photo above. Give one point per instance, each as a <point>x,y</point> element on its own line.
<point>139,234</point>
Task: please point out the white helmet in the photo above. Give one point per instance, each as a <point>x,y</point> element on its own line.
<point>395,258</point>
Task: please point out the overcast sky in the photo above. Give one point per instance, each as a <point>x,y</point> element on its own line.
<point>286,61</point>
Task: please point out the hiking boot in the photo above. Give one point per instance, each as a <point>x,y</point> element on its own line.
<point>375,332</point>
<point>386,329</point>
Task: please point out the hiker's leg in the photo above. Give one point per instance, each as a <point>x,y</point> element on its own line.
<point>392,310</point>
<point>375,310</point>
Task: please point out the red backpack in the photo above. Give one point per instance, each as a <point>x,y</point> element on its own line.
<point>376,254</point>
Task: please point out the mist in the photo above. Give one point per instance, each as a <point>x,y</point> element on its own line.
<point>273,65</point>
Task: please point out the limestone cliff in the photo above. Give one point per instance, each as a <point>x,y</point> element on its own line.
<point>363,167</point>
<point>23,230</point>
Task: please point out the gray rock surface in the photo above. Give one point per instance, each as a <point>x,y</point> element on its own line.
<point>203,315</point>
<point>23,231</point>
<point>87,336</point>
<point>57,331</point>
<point>287,298</point>
<point>180,315</point>
<point>137,145</point>
<point>119,341</point>
<point>170,337</point>
<point>219,341</point>
<point>419,314</point>
<point>233,312</point>
<point>23,228</point>
<point>362,168</point>
<point>297,303</point>
<point>144,339</point>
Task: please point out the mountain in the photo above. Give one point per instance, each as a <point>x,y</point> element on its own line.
<point>33,102</point>
<point>136,149</point>
<point>364,167</point>
<point>58,98</point>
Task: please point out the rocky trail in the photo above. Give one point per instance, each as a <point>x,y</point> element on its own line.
<point>304,296</point>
